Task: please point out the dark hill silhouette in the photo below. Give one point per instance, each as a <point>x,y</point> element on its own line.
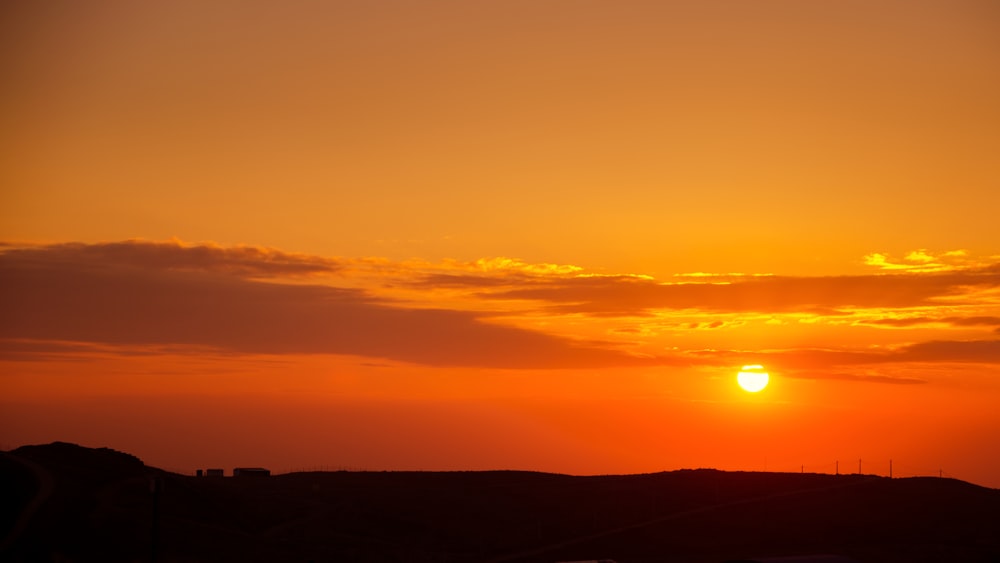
<point>69,503</point>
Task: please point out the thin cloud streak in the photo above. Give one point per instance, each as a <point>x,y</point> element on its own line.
<point>859,378</point>
<point>146,295</point>
<point>902,322</point>
<point>249,261</point>
<point>777,294</point>
<point>935,351</point>
<point>248,300</point>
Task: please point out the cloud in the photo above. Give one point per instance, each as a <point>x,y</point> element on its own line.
<point>139,293</point>
<point>805,360</point>
<point>42,350</point>
<point>58,299</point>
<point>921,261</point>
<point>249,261</point>
<point>27,349</point>
<point>624,295</point>
<point>505,264</point>
<point>857,377</point>
<point>967,351</point>
<point>986,321</point>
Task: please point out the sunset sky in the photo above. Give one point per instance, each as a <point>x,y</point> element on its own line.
<point>504,234</point>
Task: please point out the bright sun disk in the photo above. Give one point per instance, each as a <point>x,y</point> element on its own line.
<point>752,378</point>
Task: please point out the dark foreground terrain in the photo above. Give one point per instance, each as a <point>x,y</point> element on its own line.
<point>62,502</point>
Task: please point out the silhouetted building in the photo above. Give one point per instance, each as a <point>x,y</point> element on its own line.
<point>251,472</point>
<point>214,472</point>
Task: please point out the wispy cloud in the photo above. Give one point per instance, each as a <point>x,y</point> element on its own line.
<point>636,296</point>
<point>857,377</point>
<point>937,351</point>
<point>249,261</point>
<point>921,261</point>
<point>143,293</point>
<point>923,320</point>
<point>62,298</point>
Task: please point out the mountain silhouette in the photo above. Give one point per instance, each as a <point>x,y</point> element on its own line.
<point>65,502</point>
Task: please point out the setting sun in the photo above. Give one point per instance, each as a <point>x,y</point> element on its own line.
<point>752,378</point>
<point>503,235</point>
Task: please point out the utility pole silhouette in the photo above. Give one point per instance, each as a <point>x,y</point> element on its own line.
<point>836,468</point>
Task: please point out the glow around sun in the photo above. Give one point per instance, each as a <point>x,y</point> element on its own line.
<point>752,378</point>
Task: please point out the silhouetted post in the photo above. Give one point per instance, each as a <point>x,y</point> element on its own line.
<point>802,469</point>
<point>836,468</point>
<point>155,486</point>
<point>940,473</point>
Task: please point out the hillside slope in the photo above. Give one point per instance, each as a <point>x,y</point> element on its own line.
<point>70,503</point>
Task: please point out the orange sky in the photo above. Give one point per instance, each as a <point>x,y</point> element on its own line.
<point>532,235</point>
